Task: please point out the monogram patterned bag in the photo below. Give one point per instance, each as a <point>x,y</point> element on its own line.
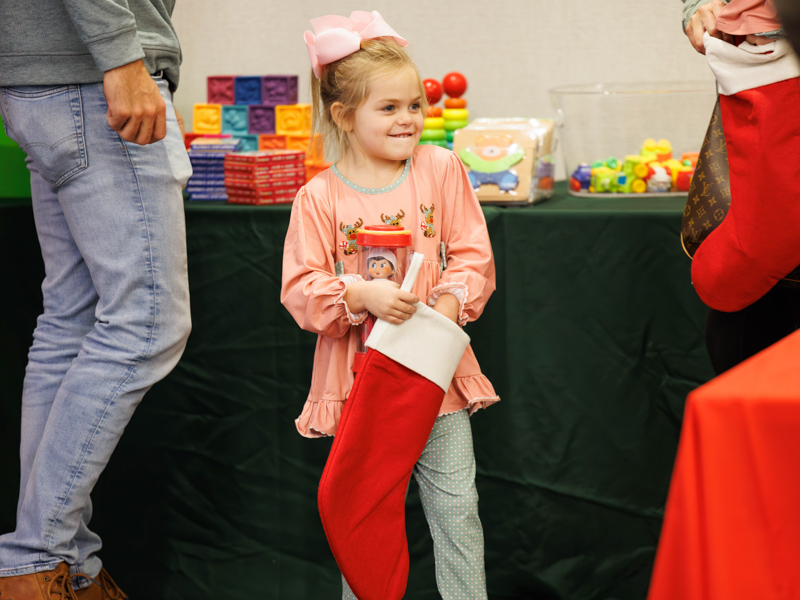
<point>710,194</point>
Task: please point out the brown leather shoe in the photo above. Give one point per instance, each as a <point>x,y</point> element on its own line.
<point>47,585</point>
<point>102,588</point>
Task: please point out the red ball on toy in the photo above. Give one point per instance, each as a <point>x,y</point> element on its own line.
<point>433,90</point>
<point>455,84</point>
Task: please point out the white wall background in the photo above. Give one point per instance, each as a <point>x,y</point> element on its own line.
<point>511,51</point>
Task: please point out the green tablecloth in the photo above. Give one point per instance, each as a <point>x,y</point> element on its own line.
<point>593,339</point>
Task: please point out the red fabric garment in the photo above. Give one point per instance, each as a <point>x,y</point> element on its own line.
<point>384,427</point>
<point>758,242</point>
<point>731,527</point>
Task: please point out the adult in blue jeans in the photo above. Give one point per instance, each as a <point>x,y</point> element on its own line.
<point>85,89</point>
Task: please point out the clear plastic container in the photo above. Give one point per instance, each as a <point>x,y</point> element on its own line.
<point>384,252</point>
<point>598,121</point>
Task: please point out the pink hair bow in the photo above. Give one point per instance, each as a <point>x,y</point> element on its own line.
<point>335,37</point>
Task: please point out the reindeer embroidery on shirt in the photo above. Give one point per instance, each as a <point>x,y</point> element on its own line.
<point>427,222</point>
<point>349,246</point>
<point>396,220</point>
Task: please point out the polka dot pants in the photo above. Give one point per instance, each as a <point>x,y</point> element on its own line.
<point>446,476</point>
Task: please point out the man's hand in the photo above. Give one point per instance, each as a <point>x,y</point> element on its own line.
<point>136,109</point>
<point>705,19</point>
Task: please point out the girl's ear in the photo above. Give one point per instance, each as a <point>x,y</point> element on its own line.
<point>337,114</point>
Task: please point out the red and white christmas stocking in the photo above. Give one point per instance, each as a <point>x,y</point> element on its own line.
<point>758,242</point>
<point>384,427</point>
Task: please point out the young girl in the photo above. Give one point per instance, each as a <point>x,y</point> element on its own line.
<point>369,101</point>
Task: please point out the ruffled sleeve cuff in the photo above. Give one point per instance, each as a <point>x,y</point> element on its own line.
<point>319,418</point>
<point>354,318</point>
<point>459,290</point>
<point>476,390</point>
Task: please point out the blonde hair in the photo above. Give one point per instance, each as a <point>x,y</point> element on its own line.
<point>348,81</point>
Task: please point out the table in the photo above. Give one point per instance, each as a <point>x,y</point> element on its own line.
<point>593,340</point>
<point>732,529</point>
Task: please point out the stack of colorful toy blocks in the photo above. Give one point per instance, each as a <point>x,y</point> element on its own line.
<point>264,176</point>
<point>207,156</point>
<point>441,125</point>
<point>247,107</point>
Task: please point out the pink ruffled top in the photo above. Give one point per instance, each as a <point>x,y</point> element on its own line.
<point>437,203</point>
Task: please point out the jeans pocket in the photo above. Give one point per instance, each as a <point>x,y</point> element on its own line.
<point>47,122</point>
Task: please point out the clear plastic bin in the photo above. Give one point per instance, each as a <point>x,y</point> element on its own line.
<point>598,121</point>
<point>383,254</point>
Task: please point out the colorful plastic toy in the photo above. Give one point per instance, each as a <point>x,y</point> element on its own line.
<point>234,119</point>
<point>434,111</point>
<point>262,113</point>
<point>454,84</point>
<point>207,118</point>
<point>581,178</point>
<point>653,170</point>
<point>455,114</point>
<point>293,119</point>
<point>455,103</point>
<point>683,181</point>
<point>271,141</point>
<point>261,119</point>
<point>545,174</point>
<point>279,89</point>
<point>297,142</point>
<point>248,143</point>
<point>691,157</point>
<point>433,90</point>
<point>660,180</point>
<point>248,90</point>
<point>220,89</point>
<point>434,132</point>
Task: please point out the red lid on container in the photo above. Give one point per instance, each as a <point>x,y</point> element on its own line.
<point>391,236</point>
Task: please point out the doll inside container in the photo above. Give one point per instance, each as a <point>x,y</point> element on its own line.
<point>381,264</point>
<point>383,254</point>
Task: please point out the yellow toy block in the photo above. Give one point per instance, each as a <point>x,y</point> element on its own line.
<point>271,141</point>
<point>434,123</point>
<point>293,119</point>
<point>207,118</point>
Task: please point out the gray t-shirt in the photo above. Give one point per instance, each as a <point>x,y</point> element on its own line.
<point>51,42</point>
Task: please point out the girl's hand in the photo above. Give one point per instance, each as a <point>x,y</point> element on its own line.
<point>758,40</point>
<point>382,298</point>
<point>448,305</point>
<point>705,19</point>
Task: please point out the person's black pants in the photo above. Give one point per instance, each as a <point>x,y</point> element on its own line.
<point>734,337</point>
